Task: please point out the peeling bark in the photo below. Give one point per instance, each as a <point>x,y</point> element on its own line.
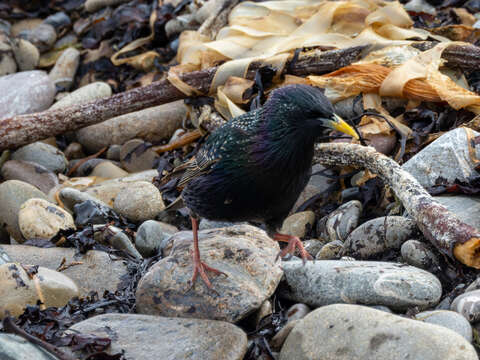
<point>443,229</point>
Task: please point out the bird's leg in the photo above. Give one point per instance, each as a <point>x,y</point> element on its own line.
<point>293,243</point>
<point>199,267</point>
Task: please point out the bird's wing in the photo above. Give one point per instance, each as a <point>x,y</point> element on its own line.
<point>198,165</point>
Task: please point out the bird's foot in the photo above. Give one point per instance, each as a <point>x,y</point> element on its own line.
<point>200,268</point>
<point>293,243</point>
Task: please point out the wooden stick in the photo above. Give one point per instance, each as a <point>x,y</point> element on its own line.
<point>442,228</point>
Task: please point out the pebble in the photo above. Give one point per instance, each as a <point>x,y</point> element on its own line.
<point>4,258</point>
<point>86,166</point>
<point>325,282</point>
<point>280,337</point>
<point>307,193</point>
<point>108,170</point>
<point>31,173</point>
<point>212,224</point>
<point>18,289</point>
<point>65,68</point>
<point>94,5</point>
<point>71,197</point>
<point>40,218</point>
<point>339,223</point>
<point>150,236</point>
<point>313,246</point>
<point>90,92</point>
<point>26,54</point>
<point>116,238</point>
<point>42,36</point>
<point>136,156</point>
<point>474,285</point>
<point>449,319</point>
<point>7,61</point>
<point>113,152</point>
<point>245,253</point>
<point>419,254</point>
<point>298,223</point>
<point>92,271</point>
<point>468,305</point>
<point>13,193</point>
<point>265,310</point>
<point>58,20</point>
<point>351,332</point>
<point>139,202</point>
<point>74,150</point>
<point>446,159</point>
<point>25,92</point>
<point>152,124</point>
<point>297,312</point>
<point>330,251</point>
<point>5,26</point>
<point>193,339</point>
<point>379,235</point>
<point>43,154</point>
<point>465,207</point>
<point>14,347</point>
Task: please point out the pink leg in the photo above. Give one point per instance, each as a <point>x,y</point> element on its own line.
<point>293,243</point>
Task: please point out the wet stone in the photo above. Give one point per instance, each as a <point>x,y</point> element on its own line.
<point>116,238</point>
<point>13,347</point>
<point>192,339</point>
<point>140,201</point>
<point>29,172</point>
<point>419,254</point>
<point>298,223</point>
<point>43,154</point>
<point>449,319</point>
<point>338,224</point>
<point>150,236</point>
<point>313,246</point>
<point>468,305</point>
<point>325,282</point>
<point>351,332</point>
<point>245,253</point>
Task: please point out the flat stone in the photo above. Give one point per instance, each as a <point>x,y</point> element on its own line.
<point>468,304</point>
<point>14,347</point>
<point>338,224</point>
<point>13,193</point>
<point>96,271</point>
<point>139,201</point>
<point>29,172</point>
<point>93,91</point>
<point>449,319</point>
<point>18,289</point>
<point>297,224</point>
<point>326,282</point>
<point>245,253</point>
<point>150,236</point>
<point>25,92</point>
<point>351,332</point>
<point>43,154</point>
<point>193,339</point>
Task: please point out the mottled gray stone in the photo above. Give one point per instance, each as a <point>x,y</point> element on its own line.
<point>338,224</point>
<point>419,254</point>
<point>468,304</point>
<point>326,282</point>
<point>29,172</point>
<point>352,332</point>
<point>449,319</point>
<point>212,224</point>
<point>150,236</point>
<point>42,36</point>
<point>153,338</point>
<point>71,197</point>
<point>43,154</point>
<point>14,347</point>
<point>465,207</point>
<point>330,251</point>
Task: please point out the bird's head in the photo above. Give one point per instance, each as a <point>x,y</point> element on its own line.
<point>306,108</point>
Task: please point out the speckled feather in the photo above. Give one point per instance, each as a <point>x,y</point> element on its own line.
<point>255,166</point>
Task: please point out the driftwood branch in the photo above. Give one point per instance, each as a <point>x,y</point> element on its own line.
<point>442,228</point>
<point>24,129</point>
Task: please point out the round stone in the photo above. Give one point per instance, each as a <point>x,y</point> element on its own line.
<point>140,201</point>
<point>468,304</point>
<point>298,223</point>
<point>150,236</point>
<point>43,154</point>
<point>449,319</point>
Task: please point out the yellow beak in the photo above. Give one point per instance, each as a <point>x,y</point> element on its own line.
<point>340,125</point>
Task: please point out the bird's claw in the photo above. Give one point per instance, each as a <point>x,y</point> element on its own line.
<point>200,268</point>
<point>293,243</point>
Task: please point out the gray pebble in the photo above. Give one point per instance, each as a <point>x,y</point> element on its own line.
<point>65,68</point>
<point>151,234</point>
<point>31,173</point>
<point>14,347</point>
<point>330,251</point>
<point>468,304</point>
<point>417,253</point>
<point>43,36</point>
<point>43,154</point>
<point>140,201</point>
<point>449,319</point>
<point>338,224</point>
<point>297,312</point>
<point>26,54</point>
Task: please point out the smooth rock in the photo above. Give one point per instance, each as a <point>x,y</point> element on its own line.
<point>4,258</point>
<point>307,193</point>
<point>338,224</point>
<point>108,170</point>
<point>25,92</point>
<point>465,207</point>
<point>17,289</point>
<point>7,61</point>
<point>136,156</point>
<point>40,218</point>
<point>25,24</point>
<point>42,36</point>
<point>29,172</point>
<point>152,124</point>
<point>298,223</point>
<point>139,202</point>
<point>71,197</point>
<point>85,167</point>
<point>245,253</point>
<point>59,20</point>
<point>13,194</point>
<point>330,251</point>
<point>449,319</point>
<point>93,271</point>
<point>265,311</point>
<point>297,312</point>
<point>445,160</point>
<point>91,212</point>
<point>150,236</point>
<point>313,246</point>
<point>326,282</point>
<point>26,54</point>
<point>419,254</point>
<point>116,238</point>
<point>321,182</point>
<point>74,150</point>
<point>212,224</point>
<point>468,305</point>
<point>379,235</point>
<point>351,332</point>
<point>113,152</point>
<point>65,68</point>
<point>90,92</point>
<point>193,339</point>
<point>474,285</point>
<point>14,347</point>
<point>94,5</point>
<point>43,154</point>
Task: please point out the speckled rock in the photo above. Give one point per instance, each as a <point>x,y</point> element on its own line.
<point>13,194</point>
<point>245,253</point>
<point>330,251</point>
<point>193,339</point>
<point>419,254</point>
<point>93,91</point>
<point>449,319</point>
<point>43,154</point>
<point>139,201</point>
<point>17,289</point>
<point>150,236</point>
<point>13,347</point>
<point>38,218</point>
<point>379,235</point>
<point>326,282</point>
<point>468,304</point>
<point>211,224</point>
<point>93,271</point>
<point>298,223</point>
<point>25,92</point>
<point>338,224</point>
<point>29,172</point>
<point>351,332</point>
<point>65,68</point>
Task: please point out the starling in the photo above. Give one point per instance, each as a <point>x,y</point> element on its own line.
<point>254,167</point>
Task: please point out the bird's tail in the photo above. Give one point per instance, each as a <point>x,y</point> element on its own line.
<point>175,205</point>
